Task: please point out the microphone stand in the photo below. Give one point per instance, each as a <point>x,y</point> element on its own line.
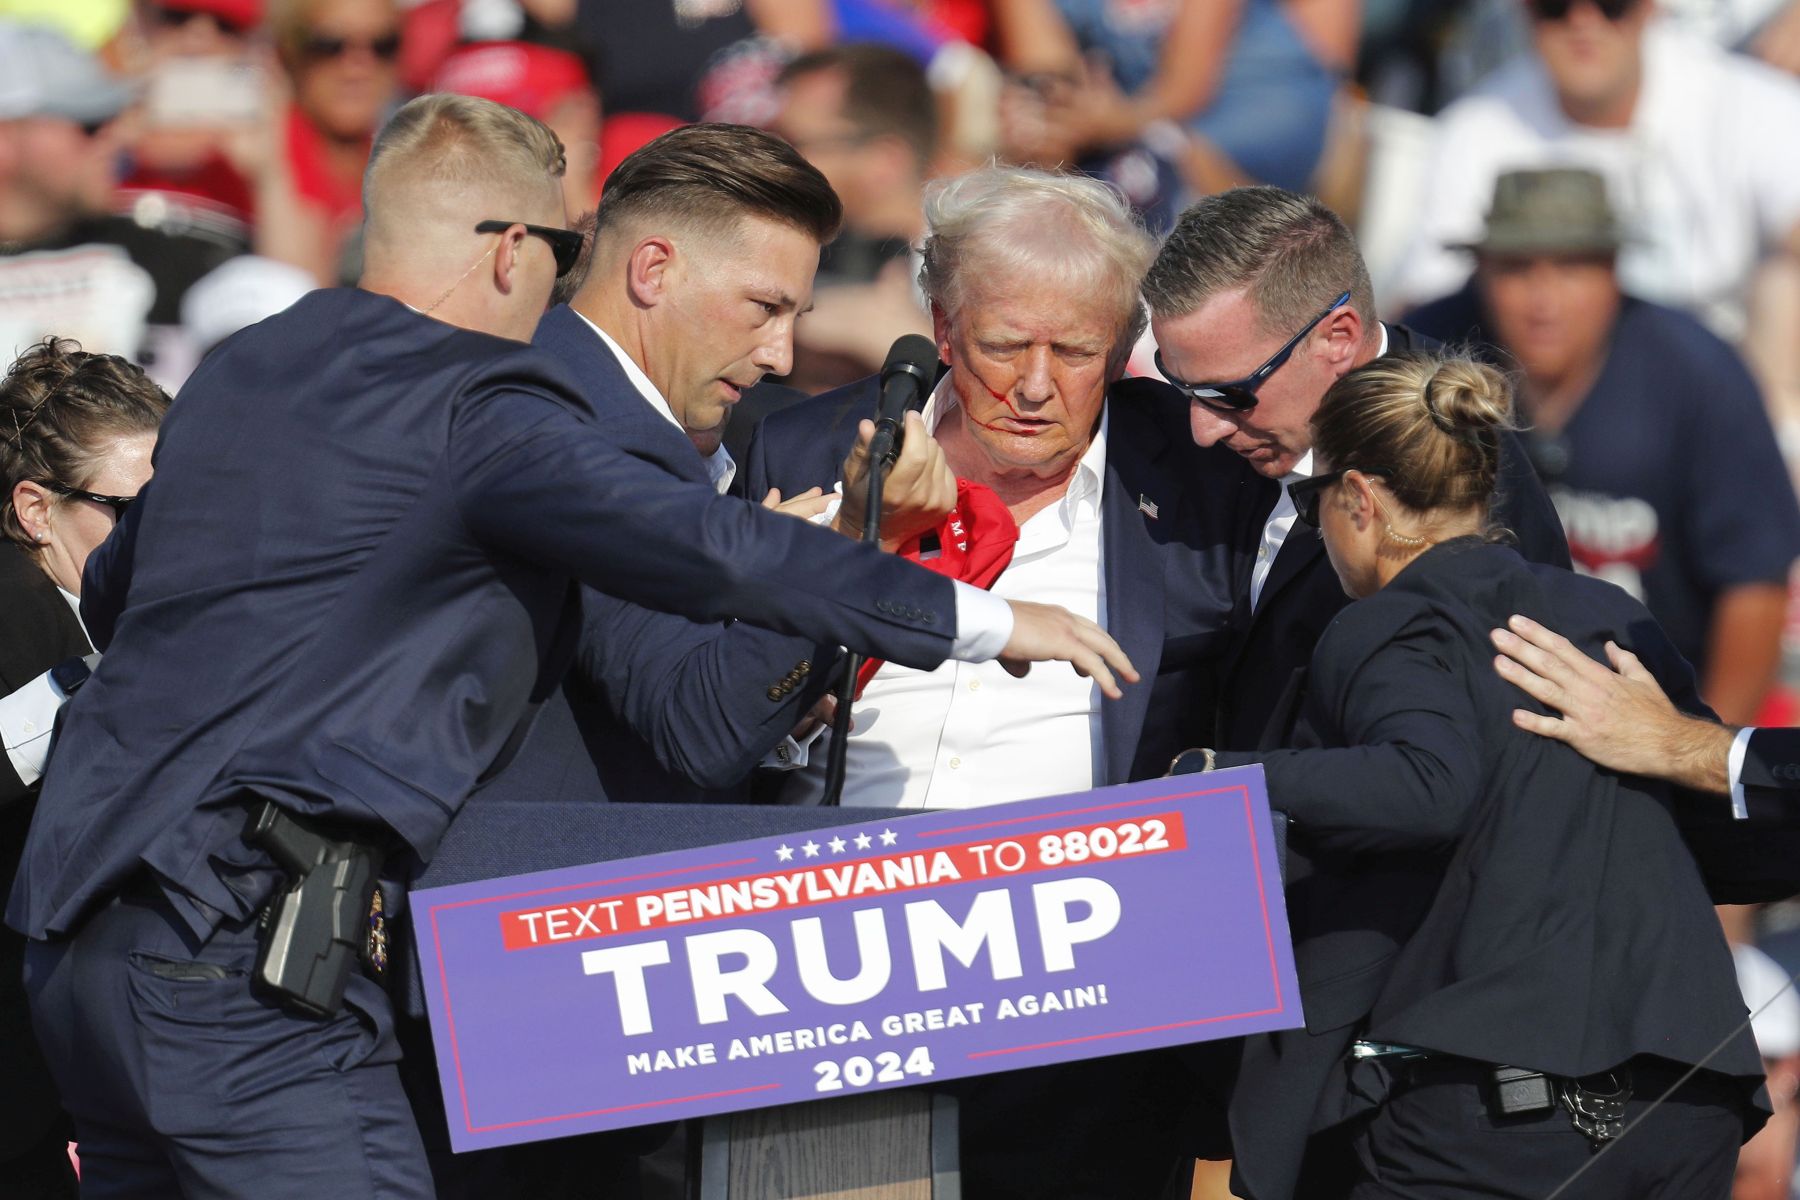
<point>880,460</point>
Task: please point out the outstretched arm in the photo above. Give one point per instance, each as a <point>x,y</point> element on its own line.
<point>1618,717</point>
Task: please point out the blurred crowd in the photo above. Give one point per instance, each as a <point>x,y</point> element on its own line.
<point>1601,195</point>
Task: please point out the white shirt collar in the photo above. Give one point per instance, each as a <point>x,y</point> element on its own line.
<point>719,465</point>
<point>1089,479</point>
<point>1382,325</point>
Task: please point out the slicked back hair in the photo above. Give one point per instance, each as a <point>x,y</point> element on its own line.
<point>1290,253</point>
<point>710,176</point>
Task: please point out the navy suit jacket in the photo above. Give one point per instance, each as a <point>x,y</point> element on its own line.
<point>352,578</point>
<point>1262,681</point>
<point>1168,575</point>
<point>655,706</point>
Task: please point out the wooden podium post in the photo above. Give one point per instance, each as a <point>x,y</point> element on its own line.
<point>898,1145</point>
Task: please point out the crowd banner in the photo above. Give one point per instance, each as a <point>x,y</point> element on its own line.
<point>897,951</point>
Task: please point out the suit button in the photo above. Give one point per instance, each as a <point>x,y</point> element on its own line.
<point>774,693</point>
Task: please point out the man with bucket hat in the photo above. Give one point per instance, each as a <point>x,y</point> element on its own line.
<point>1646,429</point>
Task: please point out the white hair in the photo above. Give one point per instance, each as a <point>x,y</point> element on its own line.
<point>1061,229</point>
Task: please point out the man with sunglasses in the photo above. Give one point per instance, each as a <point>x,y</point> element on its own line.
<point>337,607</point>
<point>1689,138</point>
<point>1260,302</point>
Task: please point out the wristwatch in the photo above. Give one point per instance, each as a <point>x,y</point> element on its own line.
<point>1191,762</point>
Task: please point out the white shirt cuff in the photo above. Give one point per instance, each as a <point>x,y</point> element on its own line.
<point>1734,772</point>
<point>791,753</point>
<point>984,624</point>
<point>27,719</point>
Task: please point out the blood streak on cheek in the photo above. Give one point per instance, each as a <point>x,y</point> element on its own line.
<point>1003,398</point>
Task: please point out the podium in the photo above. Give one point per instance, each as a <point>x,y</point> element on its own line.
<point>893,1145</point>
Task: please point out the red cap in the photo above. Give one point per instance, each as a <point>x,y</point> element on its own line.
<point>524,76</point>
<point>244,14</point>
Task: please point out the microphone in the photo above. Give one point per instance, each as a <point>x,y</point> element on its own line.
<point>906,379</point>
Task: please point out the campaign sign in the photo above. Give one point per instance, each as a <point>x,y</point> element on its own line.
<point>892,952</point>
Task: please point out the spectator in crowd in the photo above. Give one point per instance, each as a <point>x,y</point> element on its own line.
<point>239,294</point>
<point>204,98</point>
<point>339,56</point>
<point>1647,430</point>
<point>1505,892</point>
<point>865,116</point>
<point>1680,129</point>
<point>1766,1163</point>
<point>76,431</point>
<point>696,61</point>
<point>1233,92</point>
<point>1033,286</point>
<point>60,139</point>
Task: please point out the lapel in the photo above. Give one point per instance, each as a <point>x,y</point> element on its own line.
<point>629,419</point>
<point>1135,601</point>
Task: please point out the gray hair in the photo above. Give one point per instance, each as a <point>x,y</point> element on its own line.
<point>1289,252</point>
<point>1062,228</point>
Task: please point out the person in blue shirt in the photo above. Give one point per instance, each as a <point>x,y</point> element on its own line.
<point>1648,431</point>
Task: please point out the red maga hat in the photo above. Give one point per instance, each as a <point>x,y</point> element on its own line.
<point>524,76</point>
<point>244,14</point>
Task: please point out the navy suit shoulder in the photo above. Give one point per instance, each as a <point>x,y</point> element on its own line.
<point>359,549</point>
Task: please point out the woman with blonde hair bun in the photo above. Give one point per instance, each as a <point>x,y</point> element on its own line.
<point>1507,955</point>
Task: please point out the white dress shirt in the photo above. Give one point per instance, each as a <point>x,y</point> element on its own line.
<point>969,734</point>
<point>984,623</point>
<point>28,716</point>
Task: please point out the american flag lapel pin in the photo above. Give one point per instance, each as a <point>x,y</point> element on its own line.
<point>1147,506</point>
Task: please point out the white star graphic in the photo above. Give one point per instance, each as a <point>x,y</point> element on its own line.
<point>837,845</point>
<point>784,853</point>
<point>889,837</point>
<point>862,841</point>
<point>811,848</point>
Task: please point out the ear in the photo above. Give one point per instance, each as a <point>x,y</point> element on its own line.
<point>1342,334</point>
<point>31,506</point>
<point>940,331</point>
<point>650,271</point>
<point>1358,495</point>
<point>506,259</point>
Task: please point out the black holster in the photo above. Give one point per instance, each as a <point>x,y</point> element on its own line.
<point>313,931</point>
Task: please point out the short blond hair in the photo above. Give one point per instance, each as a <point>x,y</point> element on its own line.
<point>458,142</point>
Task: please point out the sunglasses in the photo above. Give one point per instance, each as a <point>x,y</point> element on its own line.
<point>1556,10</point>
<point>1239,395</point>
<point>319,47</point>
<point>117,503</point>
<point>565,244</point>
<point>1305,493</point>
<point>177,18</point>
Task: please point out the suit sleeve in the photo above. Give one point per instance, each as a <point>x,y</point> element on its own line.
<point>1522,505</point>
<point>1410,772</point>
<point>709,701</point>
<point>535,480</point>
<point>106,578</point>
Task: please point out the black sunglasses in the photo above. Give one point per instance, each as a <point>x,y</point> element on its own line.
<point>319,46</point>
<point>1556,10</point>
<point>175,18</point>
<point>565,244</point>
<point>1305,493</point>
<point>1239,395</point>
<point>117,503</point>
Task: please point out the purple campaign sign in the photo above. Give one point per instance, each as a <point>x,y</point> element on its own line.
<point>867,956</point>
